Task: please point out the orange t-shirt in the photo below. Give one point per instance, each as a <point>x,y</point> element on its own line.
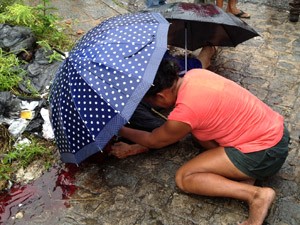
<point>219,109</point>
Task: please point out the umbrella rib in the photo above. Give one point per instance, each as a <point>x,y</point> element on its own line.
<point>143,47</point>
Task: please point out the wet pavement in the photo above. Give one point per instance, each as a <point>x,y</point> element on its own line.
<point>141,189</point>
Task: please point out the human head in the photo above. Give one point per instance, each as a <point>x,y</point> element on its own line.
<point>165,77</point>
<point>163,84</point>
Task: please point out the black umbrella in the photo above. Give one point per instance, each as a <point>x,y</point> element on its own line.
<point>197,25</point>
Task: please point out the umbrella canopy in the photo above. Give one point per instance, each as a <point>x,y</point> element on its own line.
<point>197,25</point>
<point>99,85</point>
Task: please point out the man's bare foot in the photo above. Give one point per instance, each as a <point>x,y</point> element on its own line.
<point>259,206</point>
<point>206,55</point>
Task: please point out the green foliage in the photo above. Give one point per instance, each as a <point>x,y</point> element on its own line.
<point>46,28</point>
<point>19,15</point>
<point>50,28</point>
<point>5,3</point>
<point>5,171</point>
<point>21,156</point>
<point>25,153</point>
<point>10,72</point>
<point>30,88</point>
<point>43,23</point>
<point>55,56</point>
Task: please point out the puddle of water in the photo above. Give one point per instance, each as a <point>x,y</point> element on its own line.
<point>51,191</point>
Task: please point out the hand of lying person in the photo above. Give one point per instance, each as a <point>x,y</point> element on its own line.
<point>122,150</point>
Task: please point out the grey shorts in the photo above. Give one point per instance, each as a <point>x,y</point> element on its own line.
<point>261,164</point>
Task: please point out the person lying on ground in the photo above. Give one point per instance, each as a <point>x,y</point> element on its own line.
<point>244,137</point>
<point>146,117</point>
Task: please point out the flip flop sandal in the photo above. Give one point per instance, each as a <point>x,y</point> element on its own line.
<point>240,15</point>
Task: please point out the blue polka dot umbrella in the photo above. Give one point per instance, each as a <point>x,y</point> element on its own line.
<point>100,84</point>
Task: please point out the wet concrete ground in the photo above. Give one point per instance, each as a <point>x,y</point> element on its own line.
<point>141,189</point>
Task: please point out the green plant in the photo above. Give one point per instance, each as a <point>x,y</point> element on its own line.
<point>48,31</point>
<point>30,87</point>
<point>50,28</point>
<point>5,171</point>
<point>19,15</point>
<point>5,3</point>
<point>10,72</point>
<point>43,23</point>
<point>21,155</point>
<point>54,56</point>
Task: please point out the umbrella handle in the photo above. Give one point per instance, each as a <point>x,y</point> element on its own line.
<point>59,51</point>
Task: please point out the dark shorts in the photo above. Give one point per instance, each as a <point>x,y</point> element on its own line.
<point>261,164</point>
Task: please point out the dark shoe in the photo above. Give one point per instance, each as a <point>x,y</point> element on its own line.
<point>242,14</point>
<point>294,17</point>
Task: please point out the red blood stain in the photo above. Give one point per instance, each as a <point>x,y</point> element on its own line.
<point>52,190</point>
<point>201,10</point>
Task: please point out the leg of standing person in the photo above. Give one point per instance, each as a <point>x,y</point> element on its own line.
<point>232,8</point>
<point>221,178</point>
<point>219,3</point>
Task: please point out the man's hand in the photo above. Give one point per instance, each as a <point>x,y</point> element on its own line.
<point>122,150</point>
<point>170,132</point>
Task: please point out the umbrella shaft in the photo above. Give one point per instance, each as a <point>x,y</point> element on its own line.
<point>185,45</point>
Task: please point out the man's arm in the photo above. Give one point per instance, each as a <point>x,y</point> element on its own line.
<point>170,132</point>
<point>122,150</point>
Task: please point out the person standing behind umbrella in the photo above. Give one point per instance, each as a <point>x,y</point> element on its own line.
<point>245,138</point>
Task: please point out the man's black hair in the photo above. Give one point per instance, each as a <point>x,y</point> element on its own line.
<point>165,77</point>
